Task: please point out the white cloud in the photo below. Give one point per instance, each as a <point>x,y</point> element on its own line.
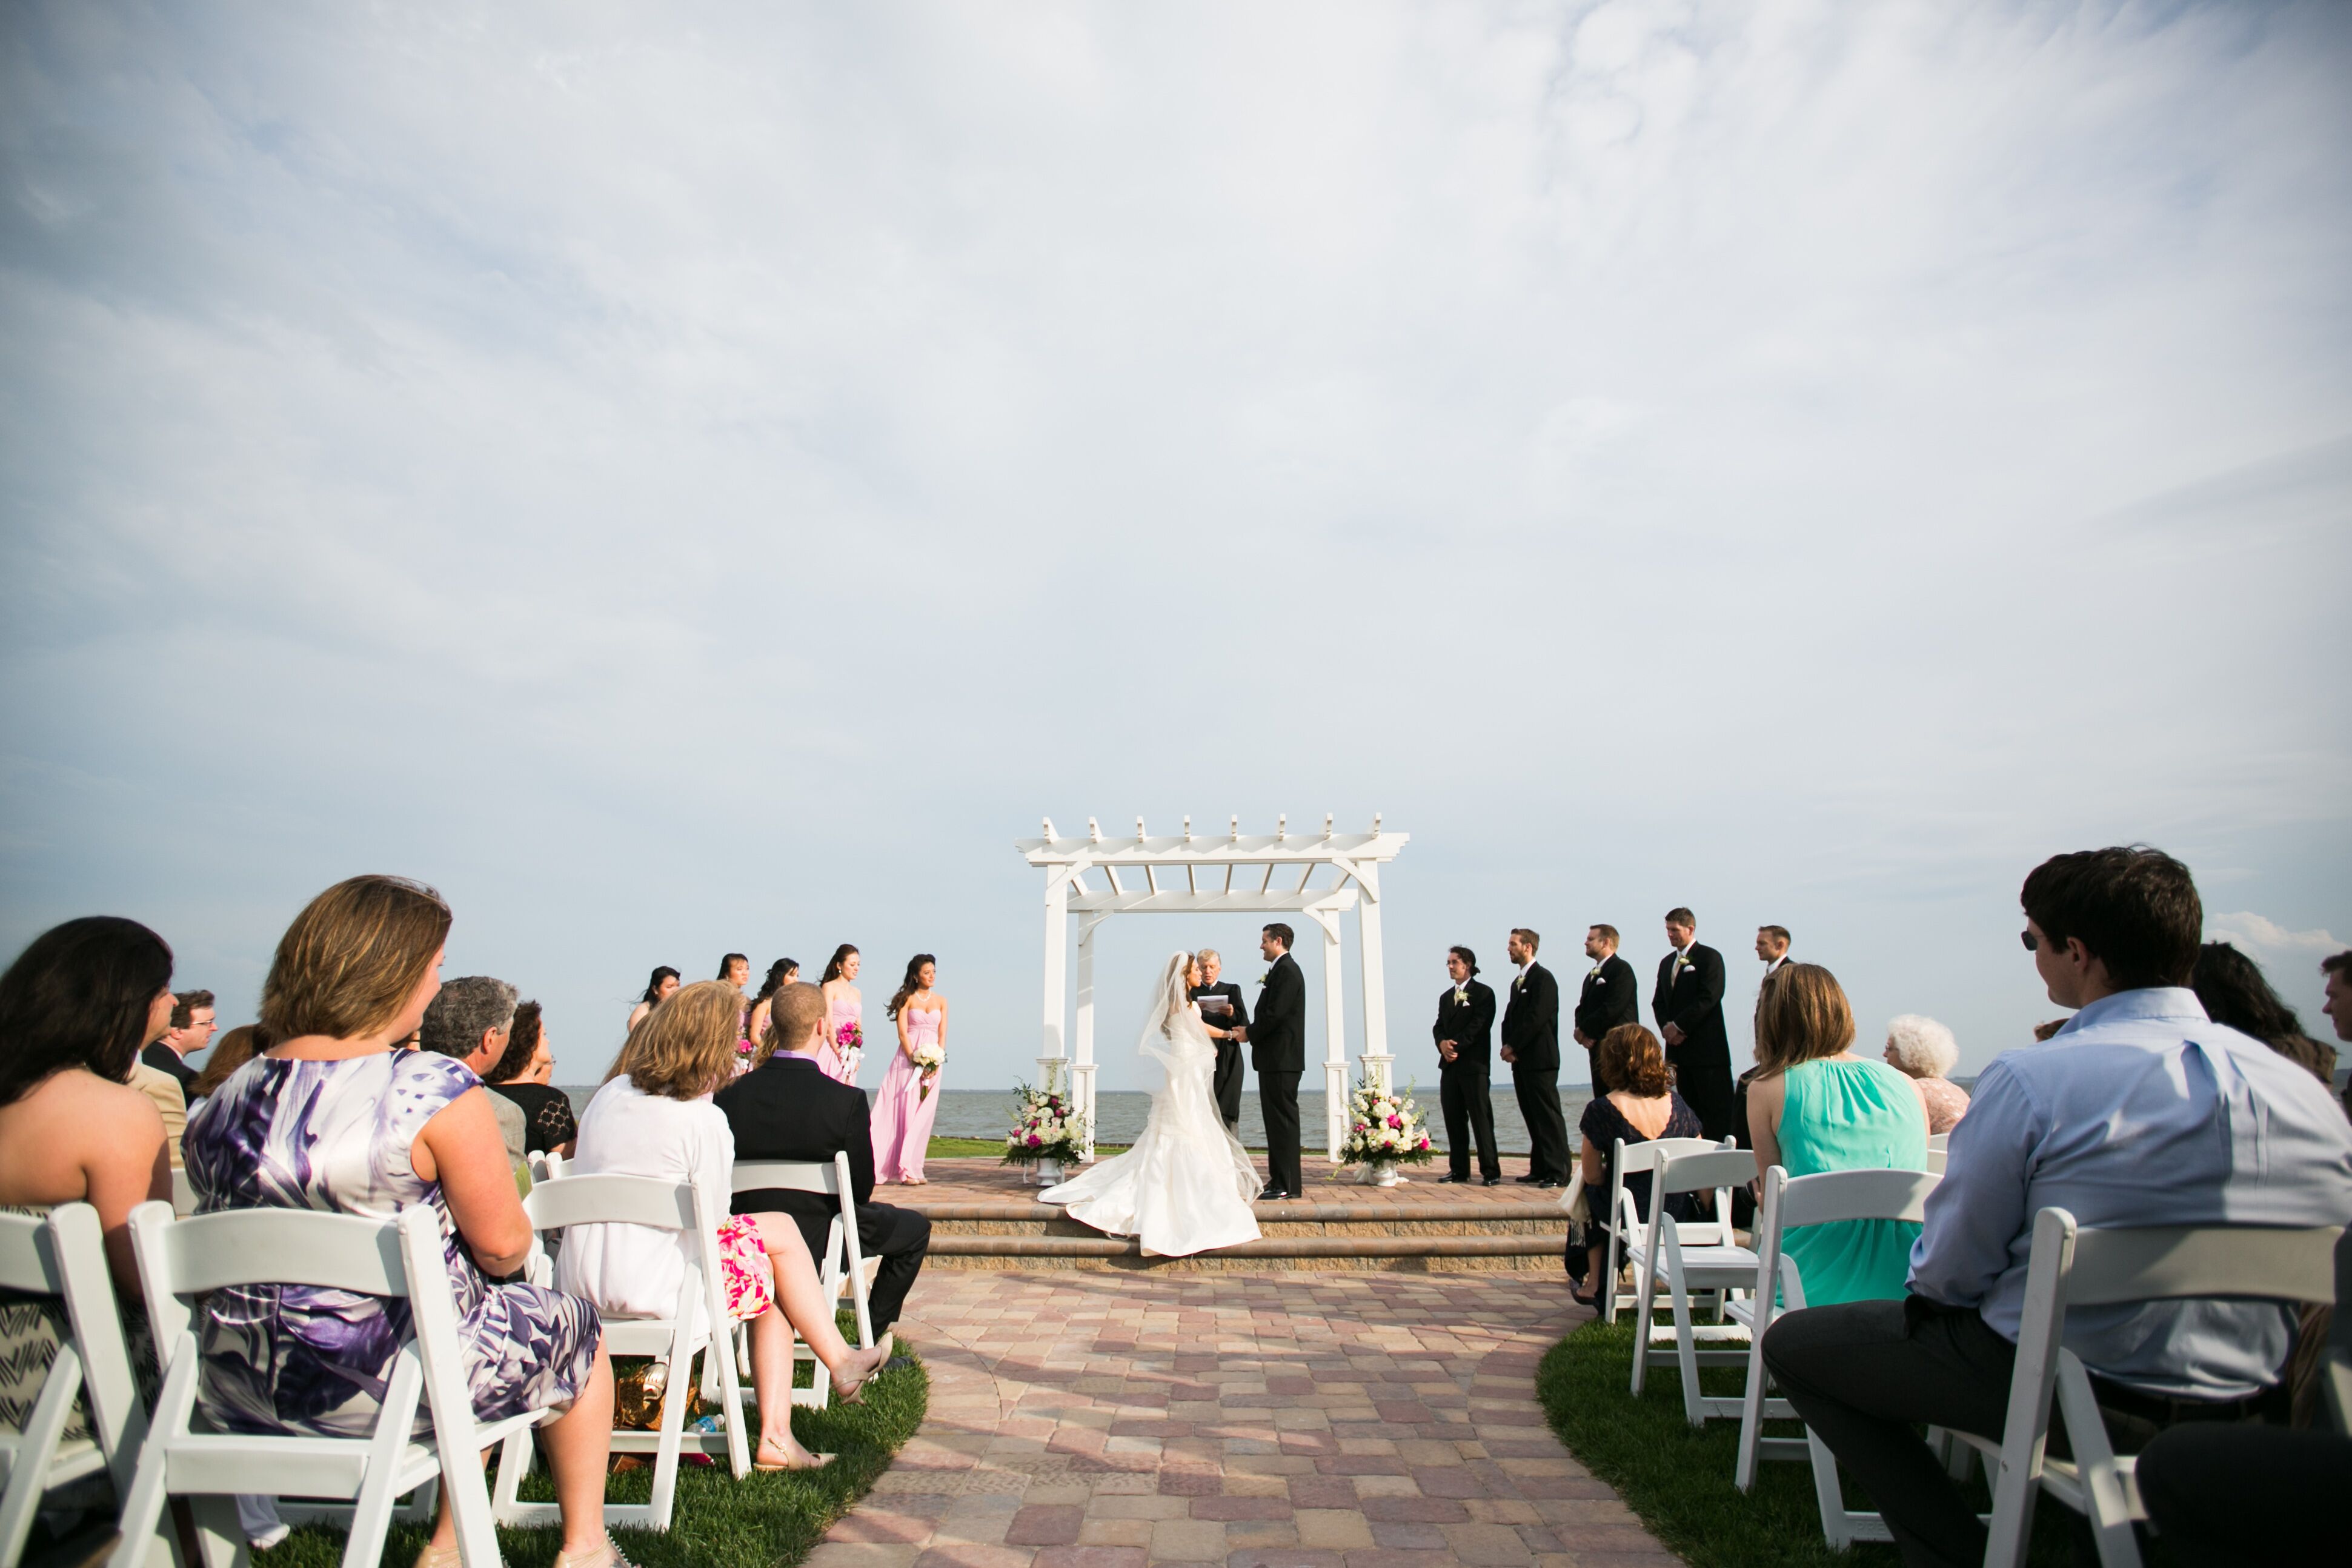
<point>2266,939</point>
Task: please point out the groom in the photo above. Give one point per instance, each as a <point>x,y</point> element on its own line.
<point>1277,1043</point>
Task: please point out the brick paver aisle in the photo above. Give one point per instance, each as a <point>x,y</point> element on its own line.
<point>1304,1420</point>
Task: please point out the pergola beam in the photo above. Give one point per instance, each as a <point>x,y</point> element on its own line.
<point>1171,902</point>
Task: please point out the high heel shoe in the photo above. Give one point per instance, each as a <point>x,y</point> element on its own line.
<point>851,1390</point>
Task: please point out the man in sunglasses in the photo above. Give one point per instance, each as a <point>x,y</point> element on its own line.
<point>2138,1111</point>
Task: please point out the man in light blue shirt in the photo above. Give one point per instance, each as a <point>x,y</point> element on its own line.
<point>2139,1111</point>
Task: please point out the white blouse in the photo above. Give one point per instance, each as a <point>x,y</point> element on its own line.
<point>634,1270</point>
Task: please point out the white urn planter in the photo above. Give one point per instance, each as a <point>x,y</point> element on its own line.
<point>1045,1172</point>
<point>1382,1173</point>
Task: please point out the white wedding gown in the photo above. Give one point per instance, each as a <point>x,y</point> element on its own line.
<point>1187,1184</point>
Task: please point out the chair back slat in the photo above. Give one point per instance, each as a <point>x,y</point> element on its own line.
<point>27,1262</point>
<point>279,1247</point>
<point>1646,1156</point>
<point>1696,1172</point>
<point>611,1200</point>
<point>1830,1196</point>
<point>2169,1262</point>
<point>1939,1140</point>
<point>792,1175</point>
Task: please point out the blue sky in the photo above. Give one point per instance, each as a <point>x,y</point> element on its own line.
<point>693,480</point>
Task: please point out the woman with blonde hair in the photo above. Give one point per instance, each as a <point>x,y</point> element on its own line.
<point>1637,1104</point>
<point>1924,1051</point>
<point>1818,1107</point>
<point>654,1118</point>
<point>332,1118</point>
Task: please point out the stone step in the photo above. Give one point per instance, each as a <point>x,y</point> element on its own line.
<point>1415,1238</point>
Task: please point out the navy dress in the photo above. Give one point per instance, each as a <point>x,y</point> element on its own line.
<point>1601,1125</point>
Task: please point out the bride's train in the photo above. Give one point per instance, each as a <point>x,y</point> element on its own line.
<point>1187,1185</point>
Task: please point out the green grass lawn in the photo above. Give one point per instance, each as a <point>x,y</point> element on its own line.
<point>1679,1480</point>
<point>760,1521</point>
<point>957,1148</point>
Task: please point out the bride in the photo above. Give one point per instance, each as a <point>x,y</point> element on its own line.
<point>1187,1185</point>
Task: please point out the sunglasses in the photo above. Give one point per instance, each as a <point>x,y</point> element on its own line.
<point>2027,937</point>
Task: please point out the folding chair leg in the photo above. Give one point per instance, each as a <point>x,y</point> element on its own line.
<point>220,1539</point>
<point>37,1444</point>
<point>1608,1280</point>
<point>1685,1342</point>
<point>675,1398</point>
<point>1751,1403</point>
<point>143,1523</point>
<point>1647,1295</point>
<point>515,1456</point>
<point>371,1509</point>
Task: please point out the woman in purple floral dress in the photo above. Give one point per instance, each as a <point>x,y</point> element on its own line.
<point>336,1118</point>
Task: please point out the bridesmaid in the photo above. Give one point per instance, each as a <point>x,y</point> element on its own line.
<point>780,973</point>
<point>909,1098</point>
<point>842,1005</point>
<point>662,984</point>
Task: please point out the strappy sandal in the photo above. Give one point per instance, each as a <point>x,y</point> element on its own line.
<point>446,1557</point>
<point>817,1461</point>
<point>611,1557</point>
<point>852,1391</point>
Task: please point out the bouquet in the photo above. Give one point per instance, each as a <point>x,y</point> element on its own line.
<point>929,1060</point>
<point>849,1041</point>
<point>1384,1128</point>
<point>1044,1127</point>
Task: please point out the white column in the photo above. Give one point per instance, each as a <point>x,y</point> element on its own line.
<point>1082,1070</point>
<point>1051,1057</point>
<point>1335,1040</point>
<point>1377,1060</point>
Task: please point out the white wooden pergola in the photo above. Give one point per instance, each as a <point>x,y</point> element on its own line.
<point>1262,875</point>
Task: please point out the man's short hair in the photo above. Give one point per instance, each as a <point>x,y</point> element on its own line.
<point>1778,933</point>
<point>2136,909</point>
<point>2341,961</point>
<point>184,1005</point>
<point>1679,916</point>
<point>1528,938</point>
<point>1608,934</point>
<point>792,1013</point>
<point>467,1009</point>
<point>1282,934</point>
<point>1207,953</point>
<point>1469,959</point>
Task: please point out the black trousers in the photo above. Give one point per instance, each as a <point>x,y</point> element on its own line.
<point>1226,1081</point>
<point>899,1237</point>
<point>1862,1374</point>
<point>1277,1101</point>
<point>1538,1092</point>
<point>1465,1093</point>
<point>1703,1078</point>
<point>2226,1495</point>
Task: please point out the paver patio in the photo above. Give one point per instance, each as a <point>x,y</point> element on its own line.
<point>1300,1420</point>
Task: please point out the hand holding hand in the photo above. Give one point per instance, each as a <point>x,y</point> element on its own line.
<point>1673,1033</point>
<point>1447,1051</point>
<point>1242,1035</point>
<point>1507,1056</point>
<point>1578,1034</point>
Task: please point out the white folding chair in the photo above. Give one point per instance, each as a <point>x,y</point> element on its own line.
<point>181,1259</point>
<point>184,1194</point>
<point>1791,1204</point>
<point>695,1323</point>
<point>1937,1146</point>
<point>2072,1267</point>
<point>546,1167</point>
<point>843,1263</point>
<point>1711,1261</point>
<point>1628,1231</point>
<point>65,1256</point>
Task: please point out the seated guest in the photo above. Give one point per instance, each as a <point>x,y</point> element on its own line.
<point>1924,1051</point>
<point>471,1020</point>
<point>521,1075</point>
<point>1638,1104</point>
<point>1818,1107</point>
<point>171,1104</point>
<point>2233,992</point>
<point>787,1108</point>
<point>190,1030</point>
<point>2139,1111</point>
<point>654,1118</point>
<point>332,1118</point>
<point>236,1048</point>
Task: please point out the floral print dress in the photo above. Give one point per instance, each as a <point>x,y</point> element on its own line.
<point>336,1137</point>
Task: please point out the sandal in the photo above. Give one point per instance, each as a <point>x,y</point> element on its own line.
<point>815,1461</point>
<point>446,1557</point>
<point>610,1557</point>
<point>851,1390</point>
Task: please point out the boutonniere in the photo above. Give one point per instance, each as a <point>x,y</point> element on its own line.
<point>1682,961</point>
<point>1596,975</point>
<point>1462,995</point>
<point>1267,976</point>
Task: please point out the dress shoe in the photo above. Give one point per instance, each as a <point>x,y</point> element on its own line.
<point>1548,1186</point>
<point>1271,1194</point>
<point>1530,1180</point>
<point>1494,1181</point>
<point>1450,1179</point>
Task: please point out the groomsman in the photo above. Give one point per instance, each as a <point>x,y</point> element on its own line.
<point>1223,1012</point>
<point>1277,1043</point>
<point>1688,1006</point>
<point>1464,1035</point>
<point>1612,994</point>
<point>1531,1045</point>
<point>1772,947</point>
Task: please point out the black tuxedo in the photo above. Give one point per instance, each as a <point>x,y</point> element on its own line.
<point>1277,1043</point>
<point>1226,1081</point>
<point>1531,1033</point>
<point>1462,1084</point>
<point>163,1059</point>
<point>787,1109</point>
<point>1690,997</point>
<point>1612,996</point>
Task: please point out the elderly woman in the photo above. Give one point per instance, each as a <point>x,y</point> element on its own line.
<point>1924,1050</point>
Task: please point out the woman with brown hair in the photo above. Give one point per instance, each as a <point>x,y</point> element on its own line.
<point>1639,1105</point>
<point>654,1118</point>
<point>332,1118</point>
<point>523,1076</point>
<point>1818,1107</point>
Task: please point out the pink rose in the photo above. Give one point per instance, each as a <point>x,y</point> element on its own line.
<point>1034,1139</point>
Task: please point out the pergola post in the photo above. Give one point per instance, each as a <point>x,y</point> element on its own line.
<point>1378,1062</point>
<point>1082,1069</point>
<point>1050,1059</point>
<point>1335,1038</point>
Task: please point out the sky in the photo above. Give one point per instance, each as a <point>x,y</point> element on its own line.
<point>686,480</point>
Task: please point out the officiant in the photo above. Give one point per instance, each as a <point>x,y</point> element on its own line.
<point>1222,1012</point>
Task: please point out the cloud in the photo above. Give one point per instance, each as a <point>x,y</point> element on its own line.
<point>2268,940</point>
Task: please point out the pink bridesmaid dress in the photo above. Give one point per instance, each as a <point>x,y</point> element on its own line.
<point>902,1113</point>
<point>838,1012</point>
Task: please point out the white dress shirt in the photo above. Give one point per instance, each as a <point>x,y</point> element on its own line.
<point>2140,1111</point>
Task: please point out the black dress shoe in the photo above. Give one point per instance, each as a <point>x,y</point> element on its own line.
<point>1451,1179</point>
<point>1271,1194</point>
<point>1494,1181</point>
<point>1549,1186</point>
<point>1530,1180</point>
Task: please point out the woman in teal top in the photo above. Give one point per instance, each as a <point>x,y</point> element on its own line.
<point>1818,1107</point>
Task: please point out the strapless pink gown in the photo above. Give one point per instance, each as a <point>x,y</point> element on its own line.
<point>828,1056</point>
<point>902,1115</point>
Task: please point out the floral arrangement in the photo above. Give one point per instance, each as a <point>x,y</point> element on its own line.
<point>1384,1127</point>
<point>929,1060</point>
<point>849,1042</point>
<point>1044,1127</point>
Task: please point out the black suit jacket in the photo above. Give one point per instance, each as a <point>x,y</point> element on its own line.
<point>1531,1021</point>
<point>1277,1040</point>
<point>1611,996</point>
<point>163,1059</point>
<point>1469,1024</point>
<point>1237,1018</point>
<point>787,1109</point>
<point>1692,1000</point>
